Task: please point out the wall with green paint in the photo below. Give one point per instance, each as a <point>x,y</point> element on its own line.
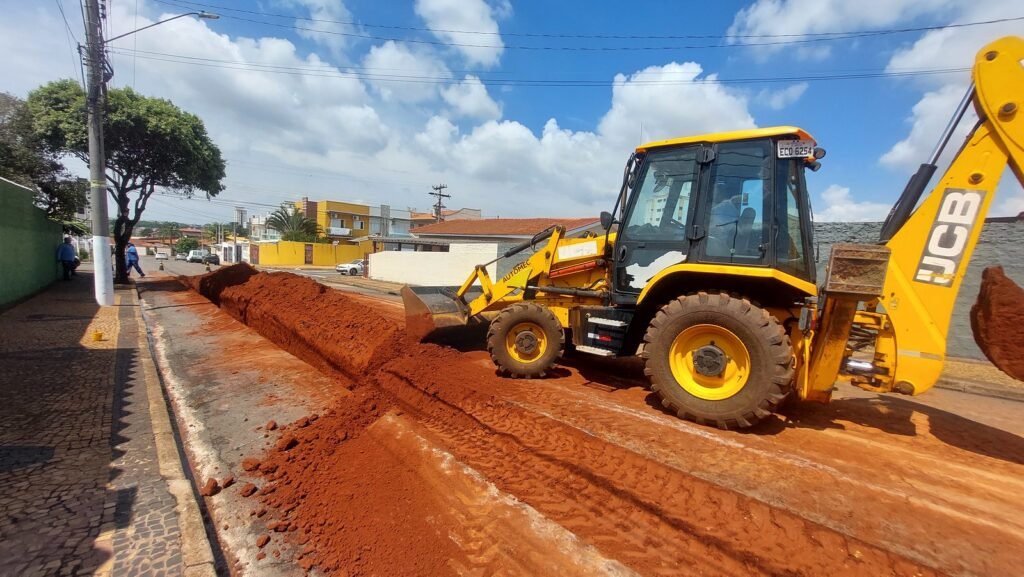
<point>28,245</point>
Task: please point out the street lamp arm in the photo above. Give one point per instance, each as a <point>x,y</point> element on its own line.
<point>201,14</point>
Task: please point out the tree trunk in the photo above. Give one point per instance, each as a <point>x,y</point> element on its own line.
<point>122,234</point>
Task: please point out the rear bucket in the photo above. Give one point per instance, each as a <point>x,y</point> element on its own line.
<point>429,310</point>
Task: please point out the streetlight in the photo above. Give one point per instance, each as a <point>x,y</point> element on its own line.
<point>201,14</point>
<point>103,278</point>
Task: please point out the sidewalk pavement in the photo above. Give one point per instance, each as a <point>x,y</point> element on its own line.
<point>90,475</point>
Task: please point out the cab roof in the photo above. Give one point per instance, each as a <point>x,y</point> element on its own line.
<point>729,136</point>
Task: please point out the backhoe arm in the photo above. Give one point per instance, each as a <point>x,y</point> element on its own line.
<point>932,249</point>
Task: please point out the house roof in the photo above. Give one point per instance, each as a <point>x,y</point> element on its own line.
<point>501,227</point>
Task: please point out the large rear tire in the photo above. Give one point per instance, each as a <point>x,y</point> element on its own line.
<point>525,340</point>
<point>716,359</point>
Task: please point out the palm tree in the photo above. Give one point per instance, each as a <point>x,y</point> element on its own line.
<point>293,225</point>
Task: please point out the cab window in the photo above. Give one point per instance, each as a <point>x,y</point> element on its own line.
<point>740,189</point>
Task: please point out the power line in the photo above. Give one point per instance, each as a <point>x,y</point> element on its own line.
<point>826,35</point>
<point>299,71</point>
<point>75,62</point>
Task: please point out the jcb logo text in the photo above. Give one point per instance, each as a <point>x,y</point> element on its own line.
<point>949,236</point>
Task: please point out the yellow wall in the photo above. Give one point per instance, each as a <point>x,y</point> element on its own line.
<point>287,253</point>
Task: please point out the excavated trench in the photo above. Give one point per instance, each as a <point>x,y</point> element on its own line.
<point>353,509</point>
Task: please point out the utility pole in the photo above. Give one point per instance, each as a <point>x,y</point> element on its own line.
<point>96,94</point>
<point>440,194</point>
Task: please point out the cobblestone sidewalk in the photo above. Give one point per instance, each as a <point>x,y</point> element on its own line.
<point>90,480</point>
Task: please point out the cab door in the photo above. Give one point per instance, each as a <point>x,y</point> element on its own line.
<point>737,214</point>
<point>657,231</point>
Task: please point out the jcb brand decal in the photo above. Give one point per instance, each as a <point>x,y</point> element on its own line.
<point>949,236</point>
<point>519,267</point>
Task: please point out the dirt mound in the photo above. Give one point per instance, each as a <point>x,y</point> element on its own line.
<point>321,326</point>
<point>997,321</point>
<point>212,284</point>
<point>354,506</point>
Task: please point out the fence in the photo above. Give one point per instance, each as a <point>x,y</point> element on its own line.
<point>28,245</point>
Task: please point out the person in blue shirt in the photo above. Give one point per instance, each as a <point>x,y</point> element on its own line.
<point>67,257</point>
<point>132,256</point>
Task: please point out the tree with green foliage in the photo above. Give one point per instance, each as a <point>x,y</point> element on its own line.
<point>150,143</point>
<point>26,158</point>
<point>293,225</point>
<point>185,244</point>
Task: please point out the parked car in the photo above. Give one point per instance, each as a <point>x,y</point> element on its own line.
<point>354,268</point>
<point>211,259</point>
<point>180,256</point>
<point>161,256</point>
<point>196,255</point>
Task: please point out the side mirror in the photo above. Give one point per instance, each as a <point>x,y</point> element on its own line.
<point>607,220</point>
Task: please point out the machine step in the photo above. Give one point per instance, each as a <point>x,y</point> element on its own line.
<point>606,322</point>
<point>595,351</point>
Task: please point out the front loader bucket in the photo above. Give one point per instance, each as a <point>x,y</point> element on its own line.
<point>429,310</point>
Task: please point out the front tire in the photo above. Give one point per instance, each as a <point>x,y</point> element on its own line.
<point>716,359</point>
<point>525,340</point>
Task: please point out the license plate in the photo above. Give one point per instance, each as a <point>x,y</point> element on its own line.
<point>796,148</point>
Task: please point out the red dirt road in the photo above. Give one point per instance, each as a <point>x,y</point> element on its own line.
<point>433,465</point>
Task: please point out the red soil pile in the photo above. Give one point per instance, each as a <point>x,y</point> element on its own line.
<point>997,321</point>
<point>212,284</point>
<point>319,325</point>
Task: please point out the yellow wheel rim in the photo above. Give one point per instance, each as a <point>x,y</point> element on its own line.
<point>734,365</point>
<point>526,342</point>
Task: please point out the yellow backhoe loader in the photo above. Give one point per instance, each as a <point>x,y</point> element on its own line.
<point>706,266</point>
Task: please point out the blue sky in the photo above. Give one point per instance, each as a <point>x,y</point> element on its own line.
<point>376,101</point>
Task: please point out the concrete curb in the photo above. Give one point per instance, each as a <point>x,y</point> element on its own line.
<point>196,551</point>
<point>982,389</point>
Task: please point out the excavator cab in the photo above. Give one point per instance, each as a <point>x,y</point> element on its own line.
<point>735,198</point>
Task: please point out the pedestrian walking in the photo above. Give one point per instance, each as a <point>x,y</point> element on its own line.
<point>66,255</point>
<point>132,256</point>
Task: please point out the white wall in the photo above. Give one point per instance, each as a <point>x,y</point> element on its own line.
<point>433,268</point>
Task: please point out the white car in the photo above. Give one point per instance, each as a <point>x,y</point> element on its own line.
<point>162,256</point>
<point>354,268</point>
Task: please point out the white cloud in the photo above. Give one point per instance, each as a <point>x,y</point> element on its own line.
<point>567,168</point>
<point>470,99</point>
<point>669,101</point>
<point>25,48</point>
<point>450,19</point>
<point>779,99</point>
<point>950,48</point>
<point>817,16</point>
<point>840,207</point>
<point>328,134</point>
<point>393,67</point>
<point>330,34</point>
<point>928,119</point>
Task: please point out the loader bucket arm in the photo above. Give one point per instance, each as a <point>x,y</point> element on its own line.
<point>933,247</point>
<point>429,311</point>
